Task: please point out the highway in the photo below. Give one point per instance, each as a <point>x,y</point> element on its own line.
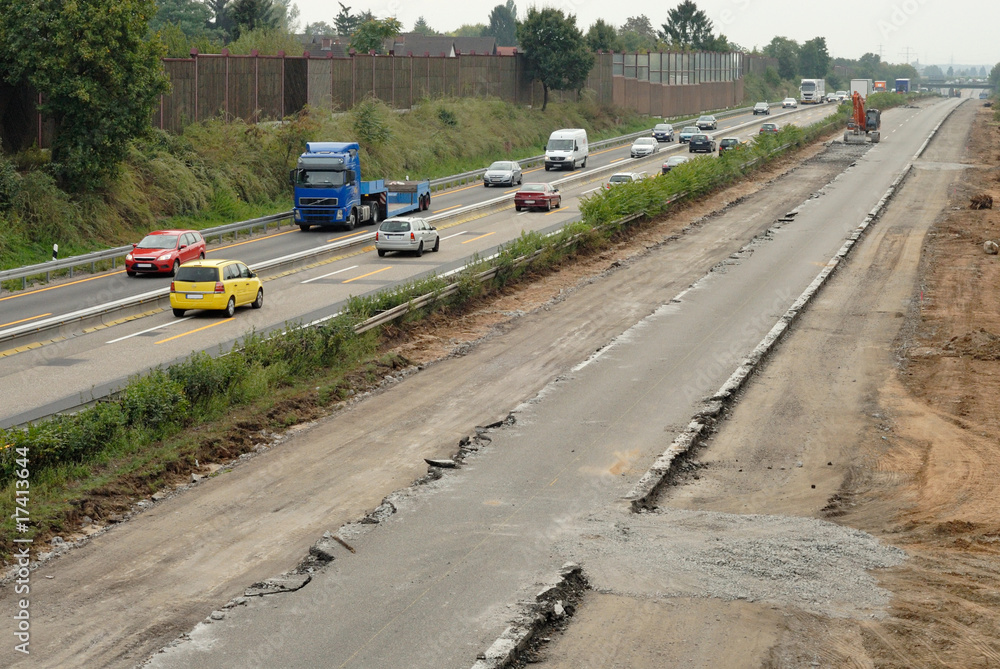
<point>84,363</point>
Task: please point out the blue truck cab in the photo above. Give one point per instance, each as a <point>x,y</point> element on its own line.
<point>329,192</point>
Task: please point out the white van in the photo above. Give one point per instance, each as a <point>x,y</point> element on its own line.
<point>566,149</point>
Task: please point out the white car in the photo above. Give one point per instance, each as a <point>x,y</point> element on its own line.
<point>644,146</point>
<point>789,103</point>
<point>406,233</point>
<point>843,95</point>
<point>832,97</point>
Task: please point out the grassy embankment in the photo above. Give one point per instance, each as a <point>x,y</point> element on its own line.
<point>205,409</point>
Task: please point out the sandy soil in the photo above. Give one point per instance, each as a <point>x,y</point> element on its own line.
<point>878,412</point>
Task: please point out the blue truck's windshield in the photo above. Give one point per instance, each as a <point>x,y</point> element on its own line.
<point>321,178</point>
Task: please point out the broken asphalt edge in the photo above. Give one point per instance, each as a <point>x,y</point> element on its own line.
<point>641,497</point>
<point>518,635</point>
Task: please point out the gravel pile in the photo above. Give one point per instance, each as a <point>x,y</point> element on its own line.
<point>811,564</point>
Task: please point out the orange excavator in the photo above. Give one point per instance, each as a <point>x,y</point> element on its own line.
<point>864,124</point>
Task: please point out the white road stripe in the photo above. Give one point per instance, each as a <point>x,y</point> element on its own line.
<point>454,235</point>
<point>317,278</point>
<point>158,327</point>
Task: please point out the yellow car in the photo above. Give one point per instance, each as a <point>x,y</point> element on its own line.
<point>215,284</point>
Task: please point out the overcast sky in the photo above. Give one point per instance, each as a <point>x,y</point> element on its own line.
<point>933,31</point>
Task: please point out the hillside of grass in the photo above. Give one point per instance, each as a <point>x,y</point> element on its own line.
<point>218,172</point>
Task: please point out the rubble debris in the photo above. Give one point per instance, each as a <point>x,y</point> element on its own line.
<point>981,201</point>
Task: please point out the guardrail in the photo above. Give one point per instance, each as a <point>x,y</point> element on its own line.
<point>476,175</point>
<point>91,259</point>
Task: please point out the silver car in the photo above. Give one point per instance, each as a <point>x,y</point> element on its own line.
<point>405,233</point>
<point>707,122</point>
<point>503,173</point>
<point>644,146</point>
<point>686,133</point>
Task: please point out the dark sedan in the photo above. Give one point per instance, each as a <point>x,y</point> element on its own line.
<point>701,143</point>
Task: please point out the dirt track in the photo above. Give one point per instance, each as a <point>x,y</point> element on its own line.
<point>878,412</point>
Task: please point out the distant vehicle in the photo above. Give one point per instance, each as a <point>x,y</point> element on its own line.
<point>566,149</point>
<point>220,285</point>
<point>686,133</point>
<point>163,251</point>
<point>902,85</point>
<point>644,146</point>
<point>862,86</point>
<point>864,125</point>
<point>879,87</point>
<point>701,143</point>
<point>674,161</point>
<point>762,108</point>
<point>503,173</point>
<point>537,196</point>
<point>768,128</point>
<point>707,122</point>
<point>663,132</point>
<point>789,103</point>
<point>406,233</point>
<point>812,91</point>
<point>832,97</point>
<point>842,95</point>
<point>624,178</point>
<point>984,96</point>
<point>730,143</point>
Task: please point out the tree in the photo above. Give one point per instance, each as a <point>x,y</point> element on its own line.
<point>951,72</point>
<point>503,24</point>
<point>421,27</point>
<point>371,35</point>
<point>190,16</point>
<point>637,34</point>
<point>982,71</point>
<point>994,78</point>
<point>267,41</point>
<point>603,37</point>
<point>222,23</point>
<point>99,75</point>
<point>345,22</point>
<point>786,51</point>
<point>555,52</point>
<point>814,58</point>
<point>469,30</point>
<point>287,15</point>
<point>687,27</point>
<point>250,15</point>
<point>319,28</point>
<point>933,72</point>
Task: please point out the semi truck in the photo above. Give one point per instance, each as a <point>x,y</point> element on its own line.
<point>812,91</point>
<point>862,86</point>
<point>328,190</point>
<point>902,85</point>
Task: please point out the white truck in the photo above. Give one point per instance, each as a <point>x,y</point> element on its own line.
<point>566,149</point>
<point>862,86</point>
<point>812,91</point>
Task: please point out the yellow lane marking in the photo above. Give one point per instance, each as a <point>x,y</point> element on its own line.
<point>249,241</point>
<point>616,160</point>
<point>185,334</point>
<point>61,285</point>
<point>28,347</point>
<point>353,234</point>
<point>556,211</point>
<point>479,237</point>
<point>454,206</point>
<point>25,320</point>
<point>369,274</point>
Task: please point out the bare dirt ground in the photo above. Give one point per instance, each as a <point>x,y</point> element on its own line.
<point>878,412</point>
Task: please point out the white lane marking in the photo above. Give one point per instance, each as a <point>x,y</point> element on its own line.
<point>173,322</point>
<point>590,191</point>
<point>317,278</point>
<point>454,235</point>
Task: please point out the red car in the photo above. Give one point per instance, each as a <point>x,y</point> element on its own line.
<point>164,251</point>
<point>537,196</point>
